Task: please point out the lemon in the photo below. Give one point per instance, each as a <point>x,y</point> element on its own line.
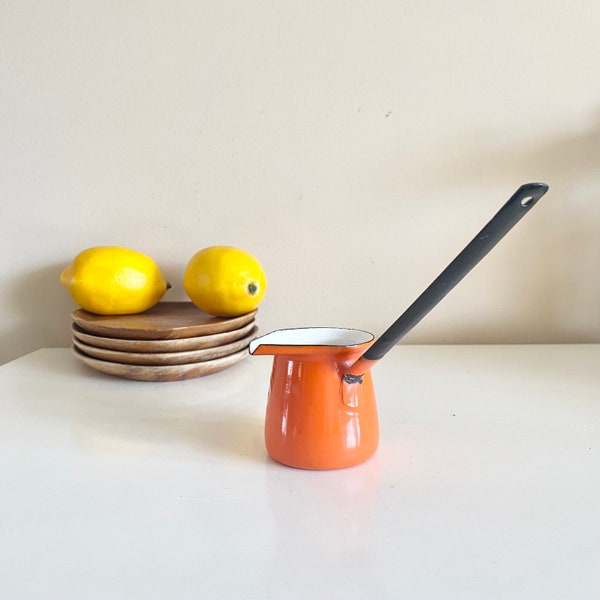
<point>224,281</point>
<point>110,280</point>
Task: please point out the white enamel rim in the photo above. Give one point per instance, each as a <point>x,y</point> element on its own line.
<point>312,336</point>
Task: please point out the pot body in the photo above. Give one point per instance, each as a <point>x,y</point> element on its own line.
<point>314,419</point>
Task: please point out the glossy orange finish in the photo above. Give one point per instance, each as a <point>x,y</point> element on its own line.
<point>314,419</point>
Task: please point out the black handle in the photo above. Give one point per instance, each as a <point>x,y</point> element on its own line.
<point>504,220</point>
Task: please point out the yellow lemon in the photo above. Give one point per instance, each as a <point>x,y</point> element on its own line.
<point>224,281</point>
<point>110,280</point>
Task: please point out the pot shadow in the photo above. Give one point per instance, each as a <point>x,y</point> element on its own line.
<point>207,435</point>
<point>128,418</point>
<point>211,435</point>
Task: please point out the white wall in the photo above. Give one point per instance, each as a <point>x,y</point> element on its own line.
<point>354,147</point>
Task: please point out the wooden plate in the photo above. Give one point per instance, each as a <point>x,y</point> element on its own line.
<point>176,345</point>
<point>166,321</point>
<point>164,358</point>
<point>161,373</point>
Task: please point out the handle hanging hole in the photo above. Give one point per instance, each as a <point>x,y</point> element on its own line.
<point>526,201</point>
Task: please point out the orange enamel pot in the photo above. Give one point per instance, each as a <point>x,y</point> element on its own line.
<point>314,418</point>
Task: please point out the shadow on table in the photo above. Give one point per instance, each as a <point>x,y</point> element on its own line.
<point>210,415</point>
<point>214,434</point>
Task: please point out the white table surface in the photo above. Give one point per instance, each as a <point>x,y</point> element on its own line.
<point>486,484</point>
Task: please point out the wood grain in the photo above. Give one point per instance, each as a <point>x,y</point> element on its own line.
<point>161,373</point>
<point>164,358</point>
<point>169,345</point>
<point>167,320</point>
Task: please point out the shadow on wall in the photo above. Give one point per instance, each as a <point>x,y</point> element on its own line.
<point>42,309</point>
<point>560,281</point>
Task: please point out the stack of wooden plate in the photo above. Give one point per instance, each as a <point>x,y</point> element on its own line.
<point>172,341</point>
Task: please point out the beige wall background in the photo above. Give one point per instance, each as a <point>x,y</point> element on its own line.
<point>354,147</point>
